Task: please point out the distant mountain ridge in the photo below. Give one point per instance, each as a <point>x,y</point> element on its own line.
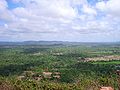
<point>31,43</point>
<point>57,43</point>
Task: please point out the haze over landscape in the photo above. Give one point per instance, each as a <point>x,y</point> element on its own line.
<point>60,20</point>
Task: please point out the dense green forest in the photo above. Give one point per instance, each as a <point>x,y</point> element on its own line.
<point>58,67</point>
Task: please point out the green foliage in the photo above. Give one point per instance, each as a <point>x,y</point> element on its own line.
<point>75,74</point>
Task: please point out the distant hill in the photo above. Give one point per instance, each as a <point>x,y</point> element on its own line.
<point>59,43</point>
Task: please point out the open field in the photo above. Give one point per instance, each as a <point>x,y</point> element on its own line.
<point>59,67</point>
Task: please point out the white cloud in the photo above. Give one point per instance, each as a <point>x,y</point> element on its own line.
<point>3,5</point>
<point>54,8</point>
<point>101,6</point>
<point>21,12</point>
<point>111,7</point>
<point>58,19</point>
<point>15,1</point>
<point>5,14</point>
<point>89,10</point>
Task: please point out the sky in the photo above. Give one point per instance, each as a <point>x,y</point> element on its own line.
<point>60,20</point>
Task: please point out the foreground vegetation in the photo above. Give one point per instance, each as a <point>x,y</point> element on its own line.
<point>75,73</point>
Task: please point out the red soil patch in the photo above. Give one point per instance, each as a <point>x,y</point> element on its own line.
<point>106,88</point>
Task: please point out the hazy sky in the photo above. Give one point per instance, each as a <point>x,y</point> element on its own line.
<point>60,20</point>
